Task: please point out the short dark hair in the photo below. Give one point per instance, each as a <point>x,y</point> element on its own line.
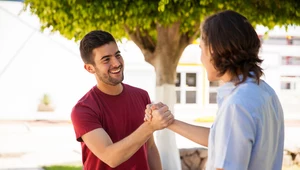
<point>234,45</point>
<point>92,40</point>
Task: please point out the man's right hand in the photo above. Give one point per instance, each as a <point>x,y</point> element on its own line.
<point>158,115</point>
<point>149,108</point>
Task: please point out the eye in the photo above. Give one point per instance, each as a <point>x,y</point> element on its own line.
<point>105,60</point>
<point>118,56</point>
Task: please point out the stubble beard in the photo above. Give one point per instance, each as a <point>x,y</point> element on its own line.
<point>107,79</point>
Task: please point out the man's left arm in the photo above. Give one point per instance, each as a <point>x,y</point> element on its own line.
<point>153,155</point>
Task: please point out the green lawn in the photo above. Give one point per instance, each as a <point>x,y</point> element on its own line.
<point>62,167</point>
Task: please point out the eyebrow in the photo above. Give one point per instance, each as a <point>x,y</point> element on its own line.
<point>106,56</point>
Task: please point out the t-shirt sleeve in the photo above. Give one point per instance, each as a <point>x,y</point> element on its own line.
<point>234,138</point>
<point>144,96</point>
<point>148,101</point>
<point>84,120</point>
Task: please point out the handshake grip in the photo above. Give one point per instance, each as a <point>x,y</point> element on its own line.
<point>158,116</point>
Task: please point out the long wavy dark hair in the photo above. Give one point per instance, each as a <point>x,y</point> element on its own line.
<point>234,45</point>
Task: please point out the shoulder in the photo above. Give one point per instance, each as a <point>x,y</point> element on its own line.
<point>137,94</point>
<point>252,93</point>
<point>267,88</point>
<point>133,89</point>
<point>85,105</point>
<point>249,99</point>
<point>88,98</point>
<point>247,94</point>
<point>242,101</point>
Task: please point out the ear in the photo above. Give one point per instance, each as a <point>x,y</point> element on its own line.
<point>90,68</point>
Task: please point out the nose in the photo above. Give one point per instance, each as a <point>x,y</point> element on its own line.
<point>115,62</point>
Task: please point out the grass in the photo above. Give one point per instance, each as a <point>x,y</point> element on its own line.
<point>63,167</point>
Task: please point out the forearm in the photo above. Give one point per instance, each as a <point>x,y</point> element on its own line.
<point>121,151</point>
<point>154,158</point>
<point>197,134</point>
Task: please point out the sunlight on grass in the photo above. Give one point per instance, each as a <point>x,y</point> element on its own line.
<point>62,167</point>
<point>205,119</point>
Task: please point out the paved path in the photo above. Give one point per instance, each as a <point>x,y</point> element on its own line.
<point>34,144</point>
<point>29,145</point>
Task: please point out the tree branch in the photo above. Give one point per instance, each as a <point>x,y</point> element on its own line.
<point>186,39</point>
<point>195,32</point>
<point>168,36</point>
<point>144,42</point>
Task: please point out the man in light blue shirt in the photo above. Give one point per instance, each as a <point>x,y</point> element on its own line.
<point>248,133</point>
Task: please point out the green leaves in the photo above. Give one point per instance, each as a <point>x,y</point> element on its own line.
<point>74,18</point>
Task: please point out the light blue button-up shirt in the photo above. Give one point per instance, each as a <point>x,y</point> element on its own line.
<point>248,133</point>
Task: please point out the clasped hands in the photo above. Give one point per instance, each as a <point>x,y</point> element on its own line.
<point>158,116</point>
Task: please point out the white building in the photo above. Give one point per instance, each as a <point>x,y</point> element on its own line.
<point>281,54</point>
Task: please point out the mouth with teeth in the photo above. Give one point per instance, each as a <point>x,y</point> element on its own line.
<point>116,71</point>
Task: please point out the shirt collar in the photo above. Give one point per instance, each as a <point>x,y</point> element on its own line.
<point>223,91</point>
<point>227,88</point>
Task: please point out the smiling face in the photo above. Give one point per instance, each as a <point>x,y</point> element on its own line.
<point>108,65</point>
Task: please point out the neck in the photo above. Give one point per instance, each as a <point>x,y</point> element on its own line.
<point>226,78</point>
<point>109,89</point>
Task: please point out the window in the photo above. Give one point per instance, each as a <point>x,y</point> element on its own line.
<point>186,92</point>
<point>190,97</point>
<point>289,83</point>
<point>212,97</point>
<point>191,79</point>
<point>178,96</point>
<point>288,60</point>
<point>177,83</point>
<point>213,85</point>
<point>285,85</point>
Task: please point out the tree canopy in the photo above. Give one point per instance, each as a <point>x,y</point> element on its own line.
<point>75,18</point>
<point>160,28</point>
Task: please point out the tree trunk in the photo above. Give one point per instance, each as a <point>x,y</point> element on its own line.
<point>165,139</point>
<point>164,55</point>
<point>165,93</point>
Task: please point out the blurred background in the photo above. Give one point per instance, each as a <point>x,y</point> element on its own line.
<point>42,77</point>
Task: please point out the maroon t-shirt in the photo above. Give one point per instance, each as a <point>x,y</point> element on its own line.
<point>118,115</point>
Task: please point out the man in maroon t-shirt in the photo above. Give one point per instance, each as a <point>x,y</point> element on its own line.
<point>108,120</point>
